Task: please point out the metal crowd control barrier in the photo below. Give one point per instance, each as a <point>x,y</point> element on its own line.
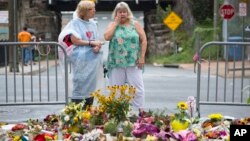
<point>43,82</point>
<point>216,85</point>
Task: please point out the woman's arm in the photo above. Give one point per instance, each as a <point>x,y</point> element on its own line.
<point>143,43</point>
<point>77,41</point>
<point>80,42</point>
<point>108,34</point>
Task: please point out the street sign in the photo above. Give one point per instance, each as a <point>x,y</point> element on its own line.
<point>242,9</point>
<point>227,11</point>
<point>172,21</point>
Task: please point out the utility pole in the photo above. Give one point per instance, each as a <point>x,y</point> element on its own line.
<point>215,19</point>
<point>13,55</point>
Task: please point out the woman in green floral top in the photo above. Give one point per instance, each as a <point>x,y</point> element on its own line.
<point>127,48</point>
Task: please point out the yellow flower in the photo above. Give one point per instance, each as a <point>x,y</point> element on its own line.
<point>177,125</point>
<point>117,103</point>
<point>86,115</point>
<point>182,105</point>
<point>75,119</point>
<point>151,138</point>
<point>56,137</point>
<point>17,138</point>
<point>48,137</point>
<point>132,90</point>
<point>216,116</point>
<point>66,110</point>
<point>74,128</point>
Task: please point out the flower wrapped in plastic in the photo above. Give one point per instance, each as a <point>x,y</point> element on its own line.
<point>180,120</point>
<point>75,119</point>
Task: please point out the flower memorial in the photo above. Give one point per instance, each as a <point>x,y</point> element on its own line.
<point>100,122</point>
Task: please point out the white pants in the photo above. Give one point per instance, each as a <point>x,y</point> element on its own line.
<point>131,76</point>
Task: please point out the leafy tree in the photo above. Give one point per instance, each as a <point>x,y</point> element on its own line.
<point>202,10</point>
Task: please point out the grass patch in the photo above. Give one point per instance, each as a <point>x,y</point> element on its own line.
<point>189,45</point>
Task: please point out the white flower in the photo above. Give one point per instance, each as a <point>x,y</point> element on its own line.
<point>66,118</point>
<point>93,135</point>
<point>125,123</point>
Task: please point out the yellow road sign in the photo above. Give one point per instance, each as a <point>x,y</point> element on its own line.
<point>172,21</point>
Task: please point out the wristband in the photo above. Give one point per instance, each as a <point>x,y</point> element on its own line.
<point>89,42</point>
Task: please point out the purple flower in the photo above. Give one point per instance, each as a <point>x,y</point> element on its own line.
<point>191,137</point>
<point>164,136</point>
<point>141,129</point>
<point>223,133</point>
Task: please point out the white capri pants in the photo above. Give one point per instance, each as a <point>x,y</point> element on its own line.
<point>131,76</point>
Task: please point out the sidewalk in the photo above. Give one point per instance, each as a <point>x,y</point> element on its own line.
<point>27,70</point>
<point>221,68</point>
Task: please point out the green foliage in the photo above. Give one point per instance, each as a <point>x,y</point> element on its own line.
<point>201,36</point>
<point>185,56</point>
<point>110,127</point>
<point>127,129</point>
<point>246,91</point>
<point>202,10</point>
<point>97,119</point>
<point>161,13</point>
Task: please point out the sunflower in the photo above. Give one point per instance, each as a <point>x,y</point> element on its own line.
<point>182,105</point>
<point>215,117</point>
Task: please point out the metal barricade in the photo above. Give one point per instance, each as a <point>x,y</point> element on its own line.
<point>223,81</point>
<point>43,82</point>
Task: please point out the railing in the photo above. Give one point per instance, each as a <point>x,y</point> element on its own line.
<point>225,81</point>
<point>40,83</point>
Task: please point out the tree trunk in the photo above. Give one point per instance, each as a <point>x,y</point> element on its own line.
<point>182,7</point>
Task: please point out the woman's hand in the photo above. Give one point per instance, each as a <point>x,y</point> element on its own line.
<point>96,43</point>
<point>96,49</point>
<point>140,62</point>
<point>117,20</point>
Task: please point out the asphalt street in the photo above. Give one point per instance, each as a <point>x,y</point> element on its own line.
<point>164,88</point>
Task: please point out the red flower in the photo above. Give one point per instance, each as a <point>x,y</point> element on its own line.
<point>40,137</point>
<point>66,136</point>
<point>18,127</point>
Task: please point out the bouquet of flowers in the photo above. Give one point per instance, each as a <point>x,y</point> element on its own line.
<point>180,120</point>
<point>75,119</point>
<point>117,103</point>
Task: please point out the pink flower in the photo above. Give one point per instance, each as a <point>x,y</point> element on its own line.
<point>185,135</point>
<point>149,119</point>
<point>141,129</point>
<point>196,57</point>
